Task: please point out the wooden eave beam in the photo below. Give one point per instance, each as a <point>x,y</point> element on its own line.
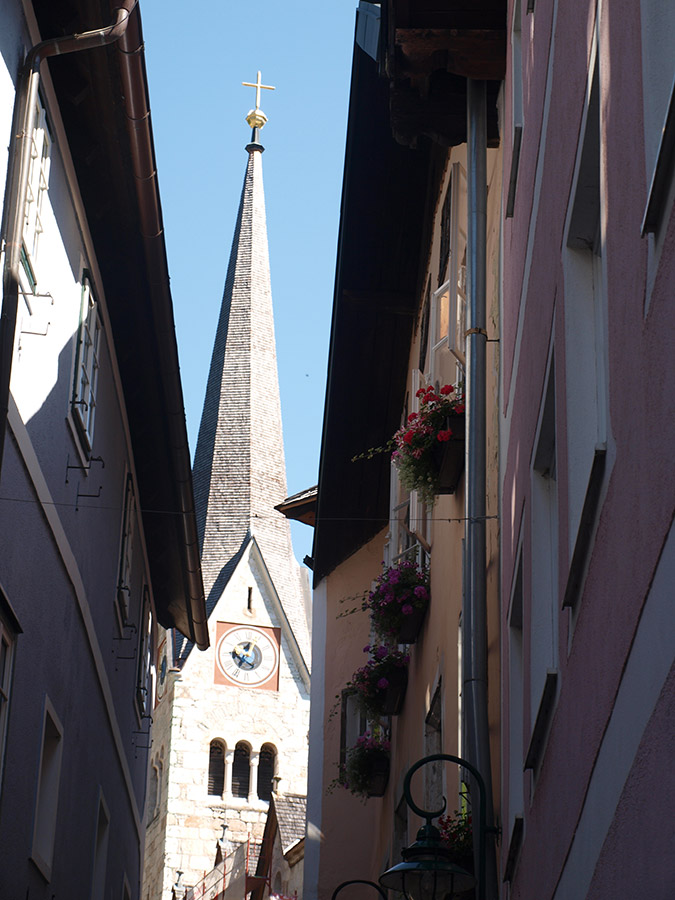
<point>472,53</point>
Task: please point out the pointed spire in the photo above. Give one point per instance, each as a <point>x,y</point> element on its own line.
<point>239,470</point>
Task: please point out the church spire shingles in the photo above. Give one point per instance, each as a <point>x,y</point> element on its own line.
<point>239,469</point>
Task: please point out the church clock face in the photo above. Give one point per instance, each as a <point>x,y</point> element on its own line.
<point>247,656</point>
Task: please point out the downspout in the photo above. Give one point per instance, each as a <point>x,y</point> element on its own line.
<point>17,180</point>
<point>474,613</point>
<point>137,112</point>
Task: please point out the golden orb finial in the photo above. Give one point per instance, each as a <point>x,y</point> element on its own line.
<point>256,118</point>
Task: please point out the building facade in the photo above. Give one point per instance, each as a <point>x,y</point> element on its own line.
<point>586,425</point>
<point>400,317</point>
<point>579,421</point>
<point>94,528</point>
<point>234,720</point>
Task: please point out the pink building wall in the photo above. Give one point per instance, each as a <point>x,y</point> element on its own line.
<point>603,774</point>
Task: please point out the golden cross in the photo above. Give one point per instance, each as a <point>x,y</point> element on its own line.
<point>258,85</point>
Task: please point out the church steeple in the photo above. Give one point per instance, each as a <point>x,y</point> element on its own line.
<point>239,469</point>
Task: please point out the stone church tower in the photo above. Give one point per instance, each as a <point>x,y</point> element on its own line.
<point>232,722</point>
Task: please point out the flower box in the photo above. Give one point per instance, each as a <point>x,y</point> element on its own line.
<point>389,701</point>
<point>398,602</point>
<point>365,772</point>
<point>448,455</point>
<point>412,625</point>
<point>381,683</point>
<point>376,775</point>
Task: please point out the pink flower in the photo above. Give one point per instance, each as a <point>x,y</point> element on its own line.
<point>406,609</point>
<point>417,453</point>
<point>383,683</point>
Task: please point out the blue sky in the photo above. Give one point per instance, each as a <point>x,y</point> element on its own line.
<point>197,56</point>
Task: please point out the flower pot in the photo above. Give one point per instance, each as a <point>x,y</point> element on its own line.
<point>411,625</point>
<point>389,700</point>
<point>449,456</point>
<point>376,775</point>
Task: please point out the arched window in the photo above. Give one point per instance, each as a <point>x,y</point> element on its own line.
<point>152,792</point>
<point>241,770</point>
<point>216,769</point>
<point>266,771</point>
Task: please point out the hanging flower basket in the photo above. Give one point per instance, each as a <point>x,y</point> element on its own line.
<point>381,683</point>
<point>398,603</point>
<point>419,455</point>
<point>448,454</point>
<point>389,700</point>
<point>366,771</point>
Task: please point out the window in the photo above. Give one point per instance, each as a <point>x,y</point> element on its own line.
<point>434,773</point>
<point>515,696</point>
<point>126,551</point>
<point>448,303</point>
<point>216,769</point>
<point>8,631</point>
<point>241,771</point>
<point>544,546</point>
<point>100,851</point>
<point>353,723</point>
<point>85,381</point>
<point>37,188</point>
<point>144,682</point>
<point>46,806</point>
<point>153,790</point>
<point>658,86</point>
<point>585,335</point>
<point>266,765</point>
<point>516,103</point>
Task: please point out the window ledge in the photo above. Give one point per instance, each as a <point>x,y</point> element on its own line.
<point>514,847</point>
<point>542,721</point>
<point>586,524</point>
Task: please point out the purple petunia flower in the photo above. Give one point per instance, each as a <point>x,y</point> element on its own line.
<point>383,683</point>
<point>421,592</point>
<point>406,609</point>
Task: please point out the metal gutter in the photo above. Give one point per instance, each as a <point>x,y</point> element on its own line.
<point>17,182</point>
<point>474,613</point>
<point>137,111</point>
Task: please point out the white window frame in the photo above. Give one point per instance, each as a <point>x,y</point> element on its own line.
<point>38,184</point>
<point>457,268</point>
<point>145,676</point>
<point>47,794</point>
<point>126,549</point>
<point>87,362</point>
<point>452,293</point>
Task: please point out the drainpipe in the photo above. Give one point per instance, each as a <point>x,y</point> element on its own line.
<point>17,181</point>
<point>474,613</point>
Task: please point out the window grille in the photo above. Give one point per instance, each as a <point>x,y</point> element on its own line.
<point>241,771</point>
<point>266,771</point>
<point>216,769</point>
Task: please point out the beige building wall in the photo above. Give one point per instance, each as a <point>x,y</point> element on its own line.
<point>353,839</point>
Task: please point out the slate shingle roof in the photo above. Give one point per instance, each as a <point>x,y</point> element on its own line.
<point>291,815</point>
<point>239,471</point>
